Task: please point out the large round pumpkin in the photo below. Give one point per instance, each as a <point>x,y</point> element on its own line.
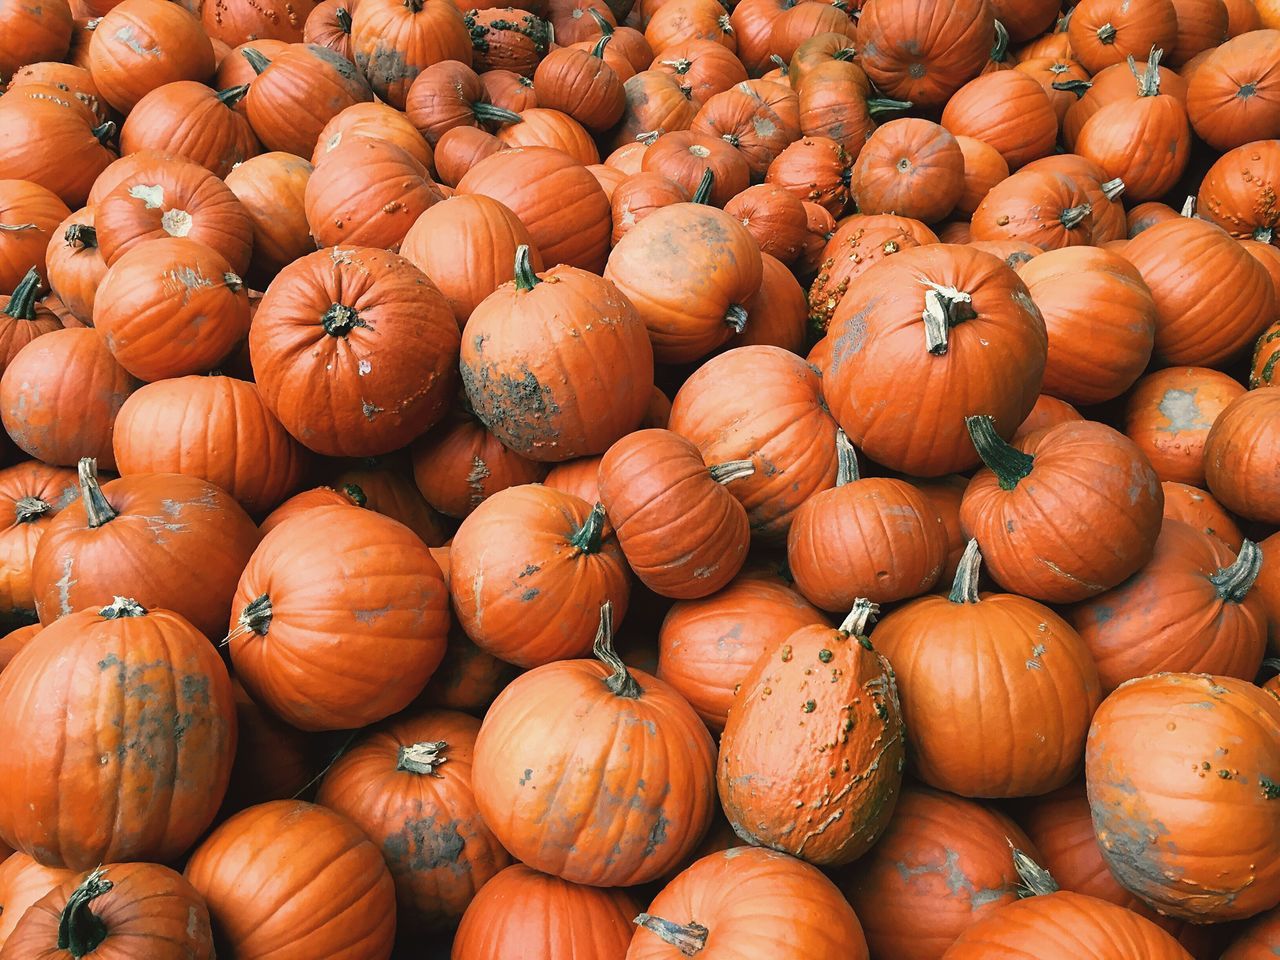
<point>139,777</point>
<point>1242,456</point>
<point>143,44</point>
<point>192,121</point>
<point>31,494</point>
<point>36,122</point>
<point>272,188</point>
<point>392,40</point>
<point>34,33</point>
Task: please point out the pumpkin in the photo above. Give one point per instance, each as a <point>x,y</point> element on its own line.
<point>685,157</point>
<point>75,264</point>
<point>273,760</point>
<point>683,533</point>
<point>115,909</point>
<point>23,882</point>
<point>758,117</point>
<point>34,129</point>
<point>1234,94</point>
<point>578,477</point>
<point>617,821</point>
<point>676,21</point>
<point>272,188</point>
<point>1198,508</point>
<point>541,127</point>
<point>33,34</point>
<point>459,464</point>
<point>808,18</point>
<point>877,537</point>
<point>373,121</point>
<point>1105,32</point>
<point>638,196</point>
<point>1007,110</point>
<point>236,69</point>
<point>29,214</point>
<point>703,68</point>
<point>557,199</point>
<point>237,21</point>
<point>366,193</point>
<point>581,84</point>
<point>173,199</point>
<point>1115,84</point>
<point>816,51</point>
<point>168,759</point>
<point>325,318</point>
<point>407,784</point>
<point>1146,215</point>
<point>346,494</point>
<point>66,78</point>
<point>31,494</point>
<point>984,167</point>
<point>1238,191</point>
<point>448,95</point>
<point>816,169</point>
<point>969,301</point>
<point>509,39</point>
<point>779,308</point>
<point>1155,770</point>
<point>509,91</point>
<point>143,44</point>
<point>911,167</point>
<point>193,122</point>
<point>170,307</point>
<point>258,873</point>
<point>296,92</point>
<point>717,906</point>
<point>1202,25</point>
<point>924,59</point>
<point>467,679</point>
<point>216,428</point>
<point>59,397</point>
<point>942,865</point>
<point>329,25</point>
<point>22,319</point>
<point>655,102</point>
<point>1092,357</point>
<point>1242,456</point>
<point>393,40</point>
<point>1048,412</point>
<point>522,912</point>
<point>292,669</point>
<point>858,244</point>
<point>689,269</point>
<point>1046,209</point>
<point>110,540</point>
<point>1169,414</point>
<point>1212,297</point>
<point>1048,71</point>
<point>835,102</point>
<point>1258,939</point>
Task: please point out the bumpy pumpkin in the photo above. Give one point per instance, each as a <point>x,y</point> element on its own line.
<point>1238,192</point>
<point>1047,209</point>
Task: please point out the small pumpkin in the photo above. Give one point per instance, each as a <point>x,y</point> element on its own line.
<point>460,463</point>
<point>702,67</point>
<point>685,157</point>
<point>1242,456</point>
<point>816,169</point>
<point>759,117</point>
<point>373,121</point>
<point>510,39</point>
<point>448,95</point>
<point>1007,110</point>
<point>22,319</point>
<point>835,101</point>
<point>235,21</point>
<point>910,167</point>
<point>1197,508</point>
<point>29,215</point>
<point>75,265</point>
<point>655,101</point>
<point>638,196</point>
<point>272,188</point>
<point>1047,209</point>
<point>329,25</point>
<point>581,84</point>
<point>984,167</point>
<point>1169,414</point>
<point>1237,192</point>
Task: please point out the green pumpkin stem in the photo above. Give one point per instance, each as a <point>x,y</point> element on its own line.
<point>232,95</point>
<point>1113,189</point>
<point>1036,880</point>
<point>689,938</point>
<point>339,320</point>
<point>731,470</point>
<point>22,302</point>
<point>1107,34</point>
<point>736,317</point>
<point>702,194</point>
<point>105,132</point>
<point>355,493</point>
<point>598,50</point>
<point>587,538</point>
<point>1072,217</point>
<point>858,622</point>
<point>489,113</point>
<point>1008,463</point>
<point>1078,87</point>
<point>846,459</point>
<point>256,60</point>
<point>121,608</point>
<point>28,509</point>
<point>944,308</point>
<point>80,931</point>
<point>606,28</point>
<point>525,278</point>
<point>1235,581</point>
<point>845,53</point>
<point>343,18</point>
<point>1149,79</point>
<point>81,235</point>
<point>964,588</point>
<point>96,509</point>
<point>1000,49</point>
<point>620,682</point>
<point>422,758</point>
<point>878,105</point>
<point>778,62</point>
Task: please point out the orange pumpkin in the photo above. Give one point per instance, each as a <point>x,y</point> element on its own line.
<point>1238,191</point>
<point>271,187</point>
<point>193,122</point>
<point>910,167</point>
<point>685,157</point>
<point>1009,111</point>
<point>392,41</point>
<point>816,169</point>
<point>1242,456</point>
<point>1198,509</point>
<point>1234,94</point>
<point>1169,414</point>
<point>1044,208</point>
<point>75,264</point>
<point>33,34</point>
<point>459,464</point>
<point>23,882</point>
<point>144,44</point>
<point>984,167</point>
<point>759,117</point>
<point>1107,31</point>
<point>29,214</point>
<point>31,494</point>
<point>924,59</point>
<point>37,121</point>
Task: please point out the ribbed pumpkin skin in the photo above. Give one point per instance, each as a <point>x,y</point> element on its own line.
<point>1169,414</point>
<point>1159,782</point>
<point>23,881</point>
<point>817,701</point>
<point>304,501</point>
<point>359,616</point>
<point>1220,115</point>
<point>75,266</point>
<point>521,914</point>
<point>149,911</point>
<point>707,647</point>
<point>683,534</point>
<point>24,202</point>
<point>164,720</point>
<point>188,119</point>
<point>758,905</point>
<point>391,42</point>
<point>1065,926</point>
<point>537,598</point>
<point>22,524</point>
<point>1008,110</point>
<point>389,490</point>
<point>942,865</point>
<point>1212,297</point>
<point>460,463</point>
<point>1242,456</point>
<point>605,789</point>
<point>763,404</point>
<point>260,873</point>
<point>426,824</point>
<point>144,44</point>
<point>272,187</point>
<point>1259,941</point>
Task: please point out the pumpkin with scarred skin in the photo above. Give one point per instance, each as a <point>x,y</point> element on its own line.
<point>1169,414</point>
<point>31,494</point>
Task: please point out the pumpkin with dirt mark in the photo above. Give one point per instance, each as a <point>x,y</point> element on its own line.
<point>407,784</point>
<point>393,40</point>
<point>1199,509</point>
<point>1169,414</point>
<point>1167,755</point>
<point>144,44</point>
<point>825,699</point>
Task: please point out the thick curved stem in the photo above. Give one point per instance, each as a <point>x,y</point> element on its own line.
<point>81,235</point>
<point>1036,880</point>
<point>964,588</point>
<point>1000,49</point>
<point>422,758</point>
<point>1233,583</point>
<point>525,278</point>
<point>605,26</point>
<point>1072,217</point>
<point>105,132</point>
<point>96,509</point>
<point>731,470</point>
<point>121,608</point>
<point>736,317</point>
<point>22,302</point>
<point>339,320</point>
<point>858,622</point>
<point>879,105</point>
<point>778,62</point>
<point>28,509</point>
<point>689,938</point>
<point>846,460</point>
<point>702,195</point>
<point>598,50</point>
<point>1149,79</point>
<point>944,308</point>
<point>232,95</point>
<point>355,494</point>
<point>620,682</point>
<point>80,931</point>
<point>1078,87</point>
<point>256,60</point>
<point>1009,464</point>
<point>342,16</point>
<point>587,538</point>
<point>488,113</point>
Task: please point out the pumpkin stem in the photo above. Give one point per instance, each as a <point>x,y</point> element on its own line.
<point>29,508</point>
<point>944,307</point>
<point>731,470</point>
<point>781,64</point>
<point>702,194</point>
<point>605,26</point>
<point>22,302</point>
<point>736,317</point>
<point>1036,880</point>
<point>525,278</point>
<point>256,618</point>
<point>80,931</point>
<point>121,608</point>
<point>234,283</point>
<point>256,60</point>
<point>96,508</point>
<point>489,113</point>
<point>964,588</point>
<point>879,105</point>
<point>586,539</point>
<point>620,682</point>
<point>1008,463</point>
<point>1107,34</point>
<point>414,6</point>
<point>845,53</point>
<point>846,459</point>
<point>422,758</point>
<point>689,939</point>
<point>1113,189</point>
<point>81,235</point>
<point>1072,217</point>
<point>598,50</point>
<point>1149,79</point>
<point>104,132</point>
<point>1078,87</point>
<point>339,320</point>
<point>355,494</point>
<point>1000,49</point>
<point>1263,234</point>
<point>858,622</point>
<point>1235,582</point>
<point>232,95</point>
<point>1188,207</point>
<point>343,18</point>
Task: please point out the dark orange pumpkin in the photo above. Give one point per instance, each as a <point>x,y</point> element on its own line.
<point>75,264</point>
<point>685,157</point>
<point>236,21</point>
<point>191,121</point>
<point>460,463</point>
<point>1242,456</point>
<point>779,309</point>
<point>273,761</point>
<point>271,187</point>
<point>448,95</point>
<point>1239,191</point>
<point>910,167</point>
<point>509,91</point>
<point>638,196</point>
<point>66,78</point>
<point>1259,940</point>
<point>702,67</point>
<point>759,117</point>
<point>858,244</point>
<point>924,59</point>
<point>38,121</point>
<point>1269,586</point>
<point>835,101</point>
<point>1115,84</point>
<point>1266,355</point>
<point>1197,508</point>
<point>676,21</point>
<point>581,84</point>
<point>1169,414</point>
<point>1048,412</point>
<point>1235,93</point>
<point>143,44</point>
<point>1105,32</point>
<point>1048,71</point>
<point>1046,209</point>
<point>235,69</point>
<point>541,127</point>
<point>31,493</point>
<point>467,679</point>
<point>393,40</point>
<point>1007,110</point>
<point>33,34</point>
<point>510,39</point>
<point>816,169</point>
<point>29,215</point>
<point>344,495</point>
<point>655,102</point>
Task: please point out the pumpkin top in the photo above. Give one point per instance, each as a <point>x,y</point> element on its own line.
<point>1235,581</point>
<point>1149,81</point>
<point>22,302</point>
<point>422,758</point>
<point>689,938</point>
<point>964,589</point>
<point>96,508</point>
<point>1008,463</point>
<point>944,308</point>
<point>80,931</point>
<point>620,682</point>
<point>122,607</point>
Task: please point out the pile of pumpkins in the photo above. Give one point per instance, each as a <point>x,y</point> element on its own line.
<point>640,479</point>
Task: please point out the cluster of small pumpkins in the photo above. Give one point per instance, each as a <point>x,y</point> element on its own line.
<point>640,479</point>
